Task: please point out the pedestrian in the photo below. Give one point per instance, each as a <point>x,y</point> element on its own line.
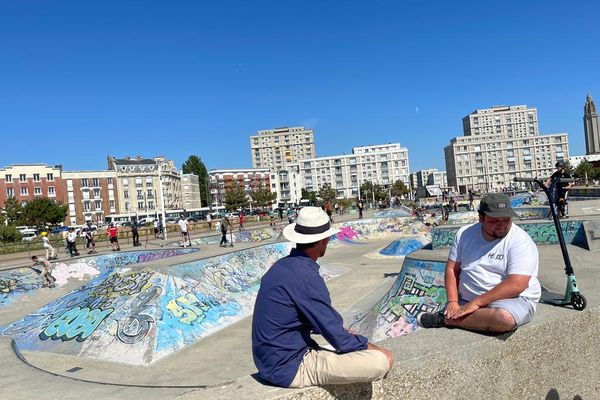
<point>471,199</point>
<point>280,210</point>
<point>292,303</point>
<point>155,225</point>
<point>328,210</point>
<point>271,218</point>
<point>113,235</point>
<point>225,225</point>
<point>50,250</point>
<point>559,190</point>
<point>336,206</point>
<point>360,205</point>
<point>45,271</point>
<point>241,220</point>
<point>209,221</point>
<point>72,243</point>
<point>491,274</point>
<point>184,228</point>
<point>161,227</point>
<point>88,234</point>
<point>135,233</point>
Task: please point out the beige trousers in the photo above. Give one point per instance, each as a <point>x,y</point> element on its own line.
<point>324,367</point>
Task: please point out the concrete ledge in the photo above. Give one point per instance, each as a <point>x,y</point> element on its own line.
<point>552,360</point>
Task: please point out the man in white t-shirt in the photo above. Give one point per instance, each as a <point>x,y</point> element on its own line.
<point>185,235</point>
<point>491,274</point>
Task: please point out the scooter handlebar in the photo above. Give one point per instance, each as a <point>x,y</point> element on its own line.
<point>518,179</point>
<point>566,180</point>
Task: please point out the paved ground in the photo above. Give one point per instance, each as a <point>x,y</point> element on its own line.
<point>219,366</point>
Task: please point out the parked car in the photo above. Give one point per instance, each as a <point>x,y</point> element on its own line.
<point>28,234</point>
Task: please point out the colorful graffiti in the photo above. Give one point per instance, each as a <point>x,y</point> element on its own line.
<point>366,229</point>
<point>23,282</point>
<point>401,211</point>
<point>540,232</point>
<point>419,287</point>
<point>526,213</point>
<point>403,247</point>
<point>140,316</point>
<point>243,236</point>
<point>462,217</point>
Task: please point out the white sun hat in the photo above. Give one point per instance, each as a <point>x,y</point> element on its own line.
<point>311,226</point>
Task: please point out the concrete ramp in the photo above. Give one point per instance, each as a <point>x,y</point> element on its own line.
<point>141,316</point>
<point>19,283</point>
<point>419,287</point>
<point>243,236</point>
<point>378,228</point>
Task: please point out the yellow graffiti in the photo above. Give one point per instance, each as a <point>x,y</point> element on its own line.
<point>188,308</point>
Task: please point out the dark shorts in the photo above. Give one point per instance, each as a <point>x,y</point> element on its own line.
<point>114,239</point>
<point>184,234</point>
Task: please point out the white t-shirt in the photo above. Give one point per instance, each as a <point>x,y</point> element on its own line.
<point>183,224</point>
<point>71,236</point>
<point>46,242</point>
<point>483,264</point>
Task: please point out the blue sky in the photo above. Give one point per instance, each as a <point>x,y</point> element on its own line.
<point>80,80</point>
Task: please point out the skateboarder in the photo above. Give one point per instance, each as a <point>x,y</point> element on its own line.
<point>44,271</point>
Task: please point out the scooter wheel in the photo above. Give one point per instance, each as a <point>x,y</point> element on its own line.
<point>578,301</point>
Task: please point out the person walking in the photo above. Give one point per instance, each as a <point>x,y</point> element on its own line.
<point>88,234</point>
<point>113,235</point>
<point>241,220</point>
<point>155,225</point>
<point>135,233</point>
<point>185,234</point>
<point>45,271</point>
<point>361,206</point>
<point>71,243</point>
<point>50,250</point>
<point>225,225</point>
<point>328,210</point>
<point>209,221</point>
<point>293,303</point>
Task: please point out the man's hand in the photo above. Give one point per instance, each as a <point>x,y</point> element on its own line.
<point>388,354</point>
<point>465,310</point>
<point>350,331</point>
<point>451,309</point>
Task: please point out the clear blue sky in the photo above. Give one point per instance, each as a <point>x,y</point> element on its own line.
<point>80,80</point>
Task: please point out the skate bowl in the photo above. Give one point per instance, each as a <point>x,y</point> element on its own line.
<point>139,316</point>
<point>243,236</point>
<point>400,247</point>
<point>532,212</point>
<point>401,211</point>
<point>17,284</point>
<point>462,217</point>
<point>378,228</point>
<point>543,233</point>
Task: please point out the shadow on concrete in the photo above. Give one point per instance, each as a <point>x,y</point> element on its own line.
<point>553,395</point>
<point>350,392</point>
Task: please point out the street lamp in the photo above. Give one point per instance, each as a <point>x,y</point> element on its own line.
<point>162,199</point>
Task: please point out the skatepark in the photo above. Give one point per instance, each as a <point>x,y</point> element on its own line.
<point>169,322</point>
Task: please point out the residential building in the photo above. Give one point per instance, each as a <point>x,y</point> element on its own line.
<point>380,164</point>
<point>139,184</point>
<point>593,159</point>
<point>90,195</point>
<point>287,183</point>
<point>429,177</point>
<point>500,143</point>
<point>591,127</point>
<point>190,191</point>
<point>276,148</point>
<point>25,182</point>
<point>249,179</point>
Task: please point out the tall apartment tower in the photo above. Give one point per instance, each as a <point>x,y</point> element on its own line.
<point>591,127</point>
<point>500,143</point>
<point>276,148</point>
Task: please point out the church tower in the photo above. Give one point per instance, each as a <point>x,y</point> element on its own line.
<point>591,127</point>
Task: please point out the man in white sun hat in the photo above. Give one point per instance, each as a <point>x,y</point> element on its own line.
<point>292,303</point>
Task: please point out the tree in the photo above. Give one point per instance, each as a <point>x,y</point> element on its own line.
<point>235,197</point>
<point>262,196</point>
<point>585,167</point>
<point>194,165</point>
<point>13,210</point>
<point>311,196</point>
<point>42,211</point>
<point>327,192</point>
<point>381,192</point>
<point>9,234</point>
<point>399,189</point>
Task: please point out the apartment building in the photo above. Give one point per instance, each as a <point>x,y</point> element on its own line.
<point>276,148</point>
<point>249,179</point>
<point>380,164</point>
<point>139,184</point>
<point>190,191</point>
<point>90,195</point>
<point>498,144</point>
<point>287,183</point>
<point>25,182</point>
<point>429,177</point>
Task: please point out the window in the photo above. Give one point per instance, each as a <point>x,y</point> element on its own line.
<point>84,182</point>
<point>37,191</point>
<point>126,206</point>
<point>51,191</point>
<point>151,205</point>
<point>8,178</point>
<point>87,206</point>
<point>125,182</point>
<point>22,177</point>
<point>111,204</point>
<point>24,191</point>
<point>109,181</point>
<point>95,182</point>
<point>96,192</point>
<point>98,204</point>
<point>10,192</point>
<point>126,194</point>
<point>140,205</point>
<point>36,177</point>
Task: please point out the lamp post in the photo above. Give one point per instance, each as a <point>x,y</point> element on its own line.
<point>162,200</point>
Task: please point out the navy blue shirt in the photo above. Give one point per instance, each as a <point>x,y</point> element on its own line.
<point>292,303</point>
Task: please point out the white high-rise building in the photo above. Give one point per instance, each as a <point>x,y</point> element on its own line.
<point>381,164</point>
<point>500,143</point>
<point>276,148</point>
<point>190,191</point>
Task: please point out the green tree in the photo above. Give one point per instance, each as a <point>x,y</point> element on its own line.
<point>327,192</point>
<point>262,196</point>
<point>381,192</point>
<point>399,189</point>
<point>235,197</point>
<point>311,196</point>
<point>194,165</point>
<point>42,211</point>
<point>12,211</point>
<point>9,234</point>
<point>366,191</point>
<point>585,167</point>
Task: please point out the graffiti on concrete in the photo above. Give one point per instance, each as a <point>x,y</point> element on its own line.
<point>419,287</point>
<point>462,217</point>
<point>77,323</point>
<point>526,213</point>
<point>401,211</point>
<point>243,236</point>
<point>403,247</point>
<point>378,228</point>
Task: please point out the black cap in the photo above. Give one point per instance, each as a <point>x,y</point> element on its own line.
<point>496,206</point>
<point>559,164</point>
